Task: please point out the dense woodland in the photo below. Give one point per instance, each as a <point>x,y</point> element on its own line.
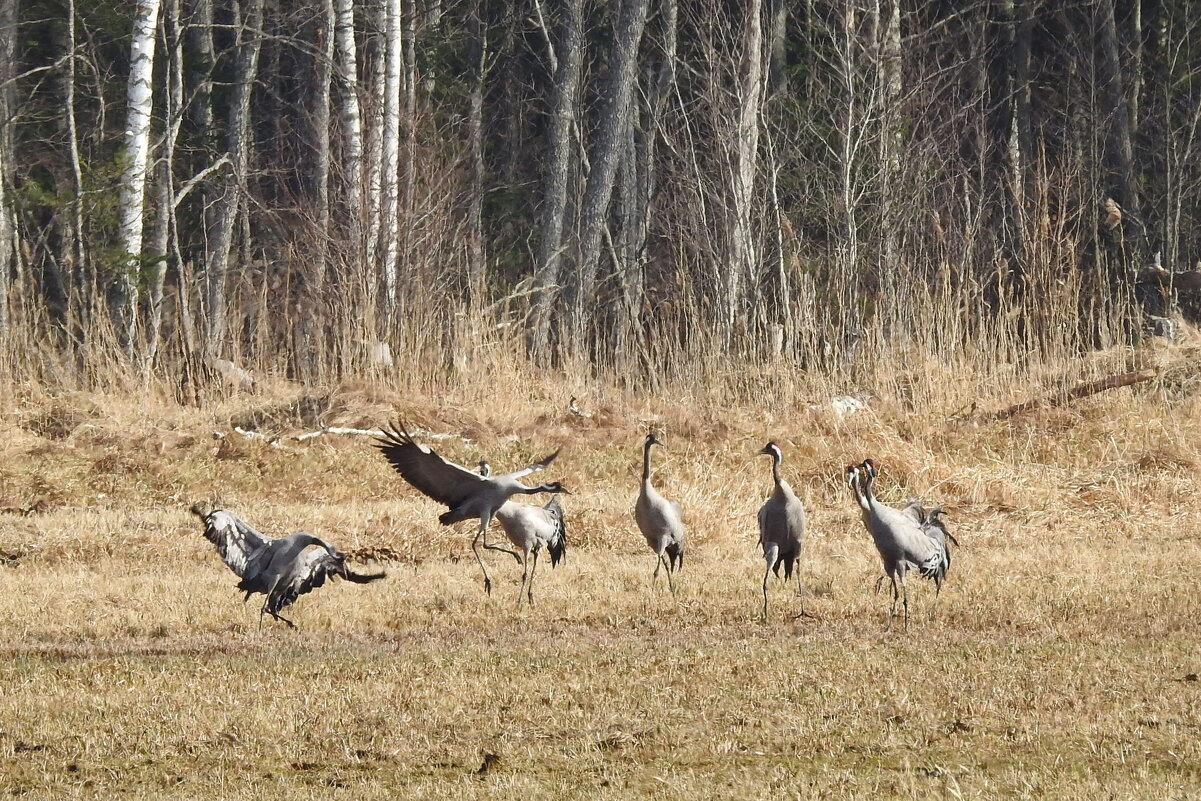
<point>315,188</point>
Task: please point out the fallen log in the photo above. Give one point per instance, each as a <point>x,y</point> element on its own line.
<point>1077,392</point>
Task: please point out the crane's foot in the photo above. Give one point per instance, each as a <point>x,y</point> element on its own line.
<point>487,586</point>
<point>803,614</point>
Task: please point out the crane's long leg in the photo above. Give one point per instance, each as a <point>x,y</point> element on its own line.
<point>766,574</point>
<point>476,550</point>
<point>769,556</point>
<point>491,547</point>
<point>892,612</point>
<point>671,585</point>
<point>905,596</point>
<point>278,616</point>
<point>533,570</point>
<point>655,575</point>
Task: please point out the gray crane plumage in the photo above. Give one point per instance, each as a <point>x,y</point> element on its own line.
<point>282,568</point>
<point>781,525</point>
<point>467,495</point>
<point>907,539</point>
<point>659,521</point>
<point>530,528</point>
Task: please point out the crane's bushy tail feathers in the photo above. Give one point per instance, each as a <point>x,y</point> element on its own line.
<point>557,546</point>
<point>675,556</point>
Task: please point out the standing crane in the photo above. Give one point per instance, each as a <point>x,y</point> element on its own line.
<point>281,568</point>
<point>530,528</point>
<point>466,494</point>
<point>909,539</point>
<point>781,525</point>
<point>659,521</point>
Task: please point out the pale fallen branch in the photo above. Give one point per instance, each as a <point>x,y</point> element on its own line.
<point>1077,392</point>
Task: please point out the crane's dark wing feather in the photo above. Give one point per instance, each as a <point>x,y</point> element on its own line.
<point>433,476</point>
<point>236,541</point>
<point>309,571</point>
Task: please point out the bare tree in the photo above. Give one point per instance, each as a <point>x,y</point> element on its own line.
<point>139,104</point>
<point>743,255</point>
<point>627,36</point>
<point>8,232</point>
<point>556,178</point>
<point>229,203</point>
<point>160,242</point>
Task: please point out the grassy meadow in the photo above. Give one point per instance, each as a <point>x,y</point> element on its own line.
<point>1055,663</point>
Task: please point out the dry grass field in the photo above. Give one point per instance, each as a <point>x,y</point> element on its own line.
<point>1055,664</point>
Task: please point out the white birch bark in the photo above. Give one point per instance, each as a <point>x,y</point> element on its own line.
<point>139,104</point>
<point>390,156</point>
<point>377,57</point>
<point>351,116</point>
<point>77,255</point>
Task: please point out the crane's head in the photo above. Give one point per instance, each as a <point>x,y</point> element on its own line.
<point>652,439</point>
<point>554,486</point>
<point>771,449</point>
<point>869,468</point>
<point>852,473</point>
<point>485,469</point>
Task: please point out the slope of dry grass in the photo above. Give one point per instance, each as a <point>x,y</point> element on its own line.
<point>1048,668</point>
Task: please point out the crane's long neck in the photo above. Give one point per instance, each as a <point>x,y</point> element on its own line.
<point>646,461</point>
<point>775,466</point>
<point>869,500</point>
<point>860,498</point>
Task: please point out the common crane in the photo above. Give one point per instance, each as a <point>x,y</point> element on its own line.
<point>909,539</point>
<point>280,568</point>
<point>466,494</point>
<point>659,521</point>
<point>530,528</point>
<point>781,525</point>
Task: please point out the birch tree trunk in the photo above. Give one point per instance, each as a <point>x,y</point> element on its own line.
<point>557,175</point>
<point>376,99</point>
<point>743,258</point>
<point>387,254</point>
<point>351,120</point>
<point>78,267</point>
<point>139,104</point>
<point>229,204</point>
<point>616,122</point>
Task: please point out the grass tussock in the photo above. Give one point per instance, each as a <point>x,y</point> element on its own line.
<point>1052,665</point>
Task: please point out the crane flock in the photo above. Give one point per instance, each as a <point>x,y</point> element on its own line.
<point>283,569</point>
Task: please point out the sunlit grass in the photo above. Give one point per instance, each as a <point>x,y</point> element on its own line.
<point>1049,667</point>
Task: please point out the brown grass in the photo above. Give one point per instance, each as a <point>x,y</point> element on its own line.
<point>1047,668</point>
